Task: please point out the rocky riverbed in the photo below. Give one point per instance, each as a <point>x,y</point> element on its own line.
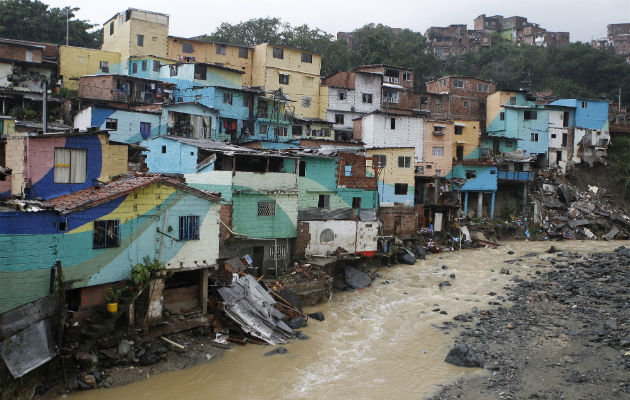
<point>565,336</point>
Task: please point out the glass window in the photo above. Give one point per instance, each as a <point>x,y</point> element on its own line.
<point>401,188</point>
<point>404,162</point>
<point>70,165</point>
<point>106,234</point>
<point>324,201</point>
<point>140,40</point>
<point>111,124</point>
<point>283,79</point>
<point>221,49</point>
<point>187,48</point>
<point>243,52</point>
<point>438,151</point>
<point>278,52</point>
<point>307,58</point>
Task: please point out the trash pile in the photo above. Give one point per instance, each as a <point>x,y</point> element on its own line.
<point>565,211</point>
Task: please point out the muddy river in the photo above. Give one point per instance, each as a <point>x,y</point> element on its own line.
<point>377,343</point>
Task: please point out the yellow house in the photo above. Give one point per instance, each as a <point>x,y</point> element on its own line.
<point>294,71</point>
<point>7,125</point>
<point>78,61</point>
<point>227,55</point>
<point>136,33</point>
<point>396,176</point>
<point>465,139</point>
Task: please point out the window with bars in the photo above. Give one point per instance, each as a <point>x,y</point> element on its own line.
<point>227,98</point>
<point>187,48</point>
<point>307,58</point>
<point>221,49</point>
<point>243,52</point>
<point>281,131</point>
<point>381,160</point>
<point>111,124</point>
<point>283,79</point>
<point>401,188</point>
<point>106,234</point>
<point>277,252</point>
<point>278,52</point>
<point>156,66</point>
<point>266,208</point>
<point>438,151</point>
<point>189,227</point>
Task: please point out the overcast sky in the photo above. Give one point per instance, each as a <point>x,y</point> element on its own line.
<point>584,19</point>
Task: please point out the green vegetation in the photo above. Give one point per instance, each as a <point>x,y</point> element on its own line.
<point>140,273</point>
<point>34,20</point>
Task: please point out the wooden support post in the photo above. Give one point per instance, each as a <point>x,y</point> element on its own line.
<point>203,292</point>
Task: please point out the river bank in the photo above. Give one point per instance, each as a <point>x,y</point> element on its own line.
<point>566,336</point>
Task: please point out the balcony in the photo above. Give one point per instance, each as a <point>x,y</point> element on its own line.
<point>517,176</point>
<point>391,79</point>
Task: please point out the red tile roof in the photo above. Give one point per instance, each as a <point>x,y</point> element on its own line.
<point>96,195</point>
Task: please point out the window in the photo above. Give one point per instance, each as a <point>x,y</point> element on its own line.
<point>302,168</point>
<point>227,98</point>
<point>262,109</point>
<point>111,124</point>
<point>243,52</point>
<point>70,165</point>
<point>404,162</point>
<point>502,116</point>
<point>173,70</point>
<point>245,100</point>
<point>342,95</point>
<point>438,172</point>
<point>459,130</point>
<point>406,76</point>
<point>458,83</point>
<point>140,40</point>
<point>200,72</point>
<point>324,201</point>
<point>187,48</point>
<point>471,174</point>
<point>424,100</point>
<point>278,52</point>
<point>400,188</point>
<point>266,208</point>
<point>459,152</point>
<point>466,104</point>
<point>104,66</point>
<point>529,115</point>
<point>281,131</point>
<point>381,160</point>
<point>367,97</point>
<point>348,170</point>
<point>111,29</point>
<point>356,202</point>
<point>338,118</point>
<point>163,149</point>
<point>306,102</point>
<point>198,97</point>
<point>438,151</point>
<point>221,49</point>
<point>513,100</point>
<point>156,66</point>
<point>144,65</point>
<point>483,88</point>
<point>277,252</point>
<point>493,172</point>
<point>553,135</point>
<point>106,234</point>
<point>438,101</point>
<point>438,130</point>
<point>145,129</point>
<point>585,104</point>
<point>534,137</point>
<point>296,130</point>
<point>392,123</point>
<point>307,58</point>
<point>283,79</point>
<point>189,227</point>
<point>263,129</point>
<point>134,67</point>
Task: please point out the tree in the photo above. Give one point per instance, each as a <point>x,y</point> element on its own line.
<point>35,21</point>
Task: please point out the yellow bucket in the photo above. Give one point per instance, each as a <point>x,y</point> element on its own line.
<point>112,308</point>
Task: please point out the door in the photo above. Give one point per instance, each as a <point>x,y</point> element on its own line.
<point>258,258</point>
<point>495,146</point>
<point>460,152</point>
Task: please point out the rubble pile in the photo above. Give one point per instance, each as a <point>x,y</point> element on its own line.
<point>564,211</point>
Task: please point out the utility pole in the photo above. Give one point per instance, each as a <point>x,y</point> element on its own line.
<point>45,106</point>
<point>67,26</point>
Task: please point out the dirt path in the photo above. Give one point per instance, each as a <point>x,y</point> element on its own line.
<point>567,335</point>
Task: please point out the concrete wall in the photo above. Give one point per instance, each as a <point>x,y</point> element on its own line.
<point>376,132</point>
<point>128,123</point>
<point>78,61</point>
<point>37,244</point>
<point>392,174</point>
<point>469,138</point>
<point>434,165</point>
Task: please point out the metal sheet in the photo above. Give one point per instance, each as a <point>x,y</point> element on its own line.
<point>28,349</point>
<point>324,214</point>
<point>368,214</point>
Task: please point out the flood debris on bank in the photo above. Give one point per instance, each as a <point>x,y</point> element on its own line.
<point>565,334</point>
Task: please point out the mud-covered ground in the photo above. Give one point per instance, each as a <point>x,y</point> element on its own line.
<point>566,334</point>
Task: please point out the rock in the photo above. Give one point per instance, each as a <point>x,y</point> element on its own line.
<point>125,347</point>
<point>297,323</point>
<point>317,315</point>
<point>575,377</point>
<point>406,257</point>
<point>462,356</point>
<point>86,359</point>
<point>150,359</point>
<point>452,276</point>
<point>444,266</point>
<point>90,380</point>
<point>419,252</point>
<point>279,350</point>
<point>492,294</point>
<point>445,283</point>
<point>356,279</point>
<point>611,324</point>
<point>552,249</point>
<point>510,252</point>
<point>510,326</point>
<point>301,336</point>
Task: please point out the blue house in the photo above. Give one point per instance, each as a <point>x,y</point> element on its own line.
<point>126,126</point>
<point>480,187</point>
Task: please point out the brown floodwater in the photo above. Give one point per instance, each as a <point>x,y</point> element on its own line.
<point>377,343</point>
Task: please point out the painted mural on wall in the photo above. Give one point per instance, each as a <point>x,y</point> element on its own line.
<point>99,242</point>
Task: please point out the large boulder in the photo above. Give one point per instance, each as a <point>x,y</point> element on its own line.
<point>462,356</point>
<point>357,279</point>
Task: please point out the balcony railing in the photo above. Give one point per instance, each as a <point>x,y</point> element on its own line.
<point>519,176</point>
<point>391,79</point>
